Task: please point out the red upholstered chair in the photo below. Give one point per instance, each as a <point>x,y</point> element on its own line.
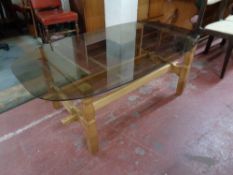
<point>49,13</point>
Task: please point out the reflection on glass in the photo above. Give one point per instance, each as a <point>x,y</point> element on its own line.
<point>121,39</point>
<point>120,53</point>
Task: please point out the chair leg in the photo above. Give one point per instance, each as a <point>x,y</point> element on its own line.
<point>41,32</point>
<point>47,37</point>
<point>227,58</point>
<point>223,42</point>
<point>77,27</point>
<point>208,45</point>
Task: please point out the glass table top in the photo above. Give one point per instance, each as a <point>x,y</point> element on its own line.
<point>89,64</point>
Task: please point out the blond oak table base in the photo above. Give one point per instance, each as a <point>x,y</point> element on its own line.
<point>85,114</point>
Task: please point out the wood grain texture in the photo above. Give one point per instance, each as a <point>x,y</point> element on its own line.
<point>184,73</point>
<point>130,87</point>
<point>89,123</point>
<point>94,15</point>
<point>181,10</point>
<point>143,9</point>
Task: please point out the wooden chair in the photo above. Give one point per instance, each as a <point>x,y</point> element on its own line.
<point>49,13</point>
<point>222,28</point>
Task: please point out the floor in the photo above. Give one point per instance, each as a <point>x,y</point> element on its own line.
<point>12,92</point>
<point>149,132</point>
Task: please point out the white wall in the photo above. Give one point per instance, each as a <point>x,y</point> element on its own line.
<point>120,11</point>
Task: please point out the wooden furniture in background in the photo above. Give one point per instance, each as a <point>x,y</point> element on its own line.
<point>154,9</point>
<point>178,12</point>
<point>91,14</point>
<point>50,13</point>
<point>92,17</point>
<point>143,9</point>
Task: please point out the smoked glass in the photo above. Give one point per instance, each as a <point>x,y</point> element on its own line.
<point>93,63</point>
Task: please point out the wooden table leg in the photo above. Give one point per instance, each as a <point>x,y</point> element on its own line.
<point>89,122</point>
<point>57,105</point>
<point>184,72</point>
<point>86,115</point>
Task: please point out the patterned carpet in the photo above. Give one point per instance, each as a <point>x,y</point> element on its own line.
<point>12,93</point>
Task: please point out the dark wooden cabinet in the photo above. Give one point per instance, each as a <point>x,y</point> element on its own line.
<point>91,14</point>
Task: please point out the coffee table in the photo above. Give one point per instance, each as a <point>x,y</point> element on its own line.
<point>100,67</point>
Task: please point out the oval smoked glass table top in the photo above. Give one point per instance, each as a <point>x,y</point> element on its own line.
<point>90,64</point>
